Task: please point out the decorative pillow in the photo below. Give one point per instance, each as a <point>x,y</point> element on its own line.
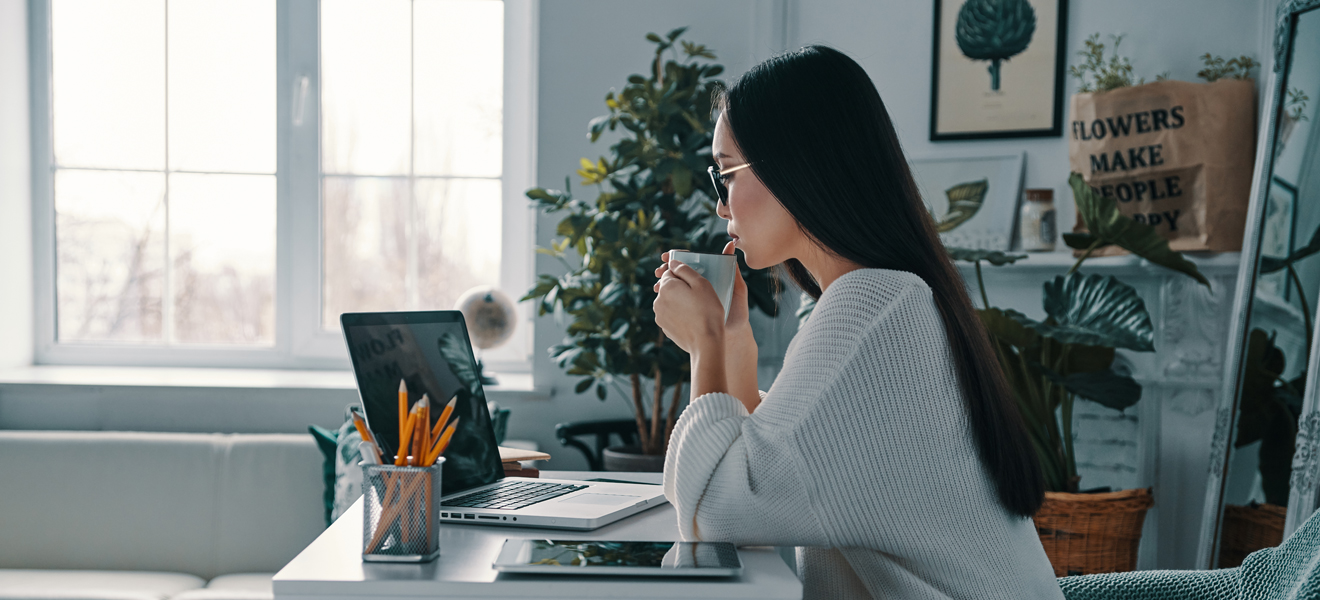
<point>340,470</point>
<point>327,440</point>
<point>348,473</point>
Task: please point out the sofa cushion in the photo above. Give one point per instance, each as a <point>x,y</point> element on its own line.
<point>203,504</point>
<point>93,585</point>
<point>241,586</point>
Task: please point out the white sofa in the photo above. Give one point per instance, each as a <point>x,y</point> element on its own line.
<point>153,516</point>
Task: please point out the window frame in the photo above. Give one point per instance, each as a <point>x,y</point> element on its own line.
<point>300,343</point>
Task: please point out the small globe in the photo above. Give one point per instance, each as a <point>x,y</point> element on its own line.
<point>490,315</point>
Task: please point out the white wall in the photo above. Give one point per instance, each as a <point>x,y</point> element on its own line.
<point>16,326</point>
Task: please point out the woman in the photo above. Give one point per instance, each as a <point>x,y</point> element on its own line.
<point>889,449</point>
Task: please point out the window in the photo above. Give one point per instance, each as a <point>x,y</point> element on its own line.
<point>216,181</point>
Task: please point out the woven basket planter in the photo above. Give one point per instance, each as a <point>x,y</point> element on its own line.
<point>1092,533</point>
<point>1248,529</point>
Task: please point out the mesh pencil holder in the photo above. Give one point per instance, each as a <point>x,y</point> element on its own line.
<point>400,513</point>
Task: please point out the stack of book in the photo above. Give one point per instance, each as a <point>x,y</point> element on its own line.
<point>514,458</point>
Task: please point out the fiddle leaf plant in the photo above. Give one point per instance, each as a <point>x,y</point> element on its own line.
<point>652,195</point>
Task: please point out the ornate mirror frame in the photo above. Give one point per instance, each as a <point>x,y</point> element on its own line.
<point>1306,460</point>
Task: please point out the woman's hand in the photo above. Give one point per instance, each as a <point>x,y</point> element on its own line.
<point>687,307</point>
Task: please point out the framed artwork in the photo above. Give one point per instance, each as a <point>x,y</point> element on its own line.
<point>997,69</point>
<point>974,200</point>
<point>1278,236</point>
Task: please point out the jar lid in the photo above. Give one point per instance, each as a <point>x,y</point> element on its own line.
<point>1040,194</point>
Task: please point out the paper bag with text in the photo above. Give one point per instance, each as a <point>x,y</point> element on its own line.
<point>1173,154</point>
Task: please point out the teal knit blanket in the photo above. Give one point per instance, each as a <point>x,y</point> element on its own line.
<point>1288,572</point>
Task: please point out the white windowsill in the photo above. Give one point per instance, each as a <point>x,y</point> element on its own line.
<point>519,384</point>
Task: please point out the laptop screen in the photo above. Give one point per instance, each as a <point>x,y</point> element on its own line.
<point>430,351</point>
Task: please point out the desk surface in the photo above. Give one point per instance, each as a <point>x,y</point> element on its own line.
<point>332,565</point>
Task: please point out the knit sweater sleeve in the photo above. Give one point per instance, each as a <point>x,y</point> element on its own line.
<point>737,478</point>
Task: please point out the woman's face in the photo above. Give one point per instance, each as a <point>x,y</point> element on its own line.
<point>758,224</point>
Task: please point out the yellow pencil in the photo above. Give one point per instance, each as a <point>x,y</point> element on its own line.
<point>441,444</point>
<point>361,425</point>
<point>415,454</point>
<point>444,417</point>
<point>425,423</point>
<point>405,436</point>
<point>403,411</point>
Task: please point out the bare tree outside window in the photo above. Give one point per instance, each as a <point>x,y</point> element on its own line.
<point>412,124</point>
<point>164,171</point>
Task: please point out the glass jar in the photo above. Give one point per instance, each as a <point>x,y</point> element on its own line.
<point>1036,224</point>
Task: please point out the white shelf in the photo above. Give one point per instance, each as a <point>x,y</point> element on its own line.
<point>1210,264</point>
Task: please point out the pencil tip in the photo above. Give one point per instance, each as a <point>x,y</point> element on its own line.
<point>452,402</point>
<point>403,386</point>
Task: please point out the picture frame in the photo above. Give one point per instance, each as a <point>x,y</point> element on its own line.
<point>974,199</point>
<point>1015,90</point>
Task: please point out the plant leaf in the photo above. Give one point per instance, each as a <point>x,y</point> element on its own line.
<point>1106,388</point>
<point>1004,325</point>
<point>965,199</point>
<point>993,257</point>
<point>1094,311</point>
<point>583,385</point>
<point>1105,223</point>
<point>1080,241</point>
<point>1097,311</point>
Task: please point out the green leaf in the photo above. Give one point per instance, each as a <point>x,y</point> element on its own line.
<point>682,179</point>
<point>993,257</point>
<point>1004,325</point>
<point>1102,387</point>
<point>654,38</point>
<point>600,391</point>
<point>1098,311</point>
<point>1094,311</point>
<point>673,35</point>
<point>1106,224</point>
<point>965,199</point>
<point>583,385</point>
<point>1081,241</point>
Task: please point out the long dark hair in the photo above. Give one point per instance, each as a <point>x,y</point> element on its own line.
<point>813,127</point>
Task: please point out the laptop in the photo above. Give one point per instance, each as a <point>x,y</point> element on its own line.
<point>430,351</point>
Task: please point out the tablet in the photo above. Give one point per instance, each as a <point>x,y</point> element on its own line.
<point>596,557</point>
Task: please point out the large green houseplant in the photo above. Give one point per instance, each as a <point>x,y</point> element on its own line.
<point>1071,353</point>
<point>653,195</point>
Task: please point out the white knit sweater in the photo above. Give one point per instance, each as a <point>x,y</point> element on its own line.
<point>861,454</point>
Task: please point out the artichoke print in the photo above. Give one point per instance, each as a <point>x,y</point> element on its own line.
<point>994,30</point>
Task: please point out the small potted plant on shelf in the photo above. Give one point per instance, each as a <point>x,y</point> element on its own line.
<point>653,195</point>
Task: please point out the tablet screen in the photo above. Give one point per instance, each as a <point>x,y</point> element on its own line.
<point>579,555</point>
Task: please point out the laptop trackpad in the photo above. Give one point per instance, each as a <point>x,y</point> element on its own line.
<point>605,499</point>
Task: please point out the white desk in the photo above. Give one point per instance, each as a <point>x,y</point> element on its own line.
<point>332,566</point>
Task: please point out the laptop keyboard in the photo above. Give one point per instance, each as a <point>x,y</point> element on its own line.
<point>511,495</point>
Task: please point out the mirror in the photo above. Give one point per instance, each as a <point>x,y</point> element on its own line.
<point>1263,478</point>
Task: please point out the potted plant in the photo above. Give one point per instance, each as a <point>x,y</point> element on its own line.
<point>1068,355</point>
<point>653,195</point>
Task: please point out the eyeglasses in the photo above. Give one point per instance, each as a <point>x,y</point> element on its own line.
<point>717,179</point>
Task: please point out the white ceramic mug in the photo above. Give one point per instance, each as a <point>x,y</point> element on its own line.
<point>718,269</point>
